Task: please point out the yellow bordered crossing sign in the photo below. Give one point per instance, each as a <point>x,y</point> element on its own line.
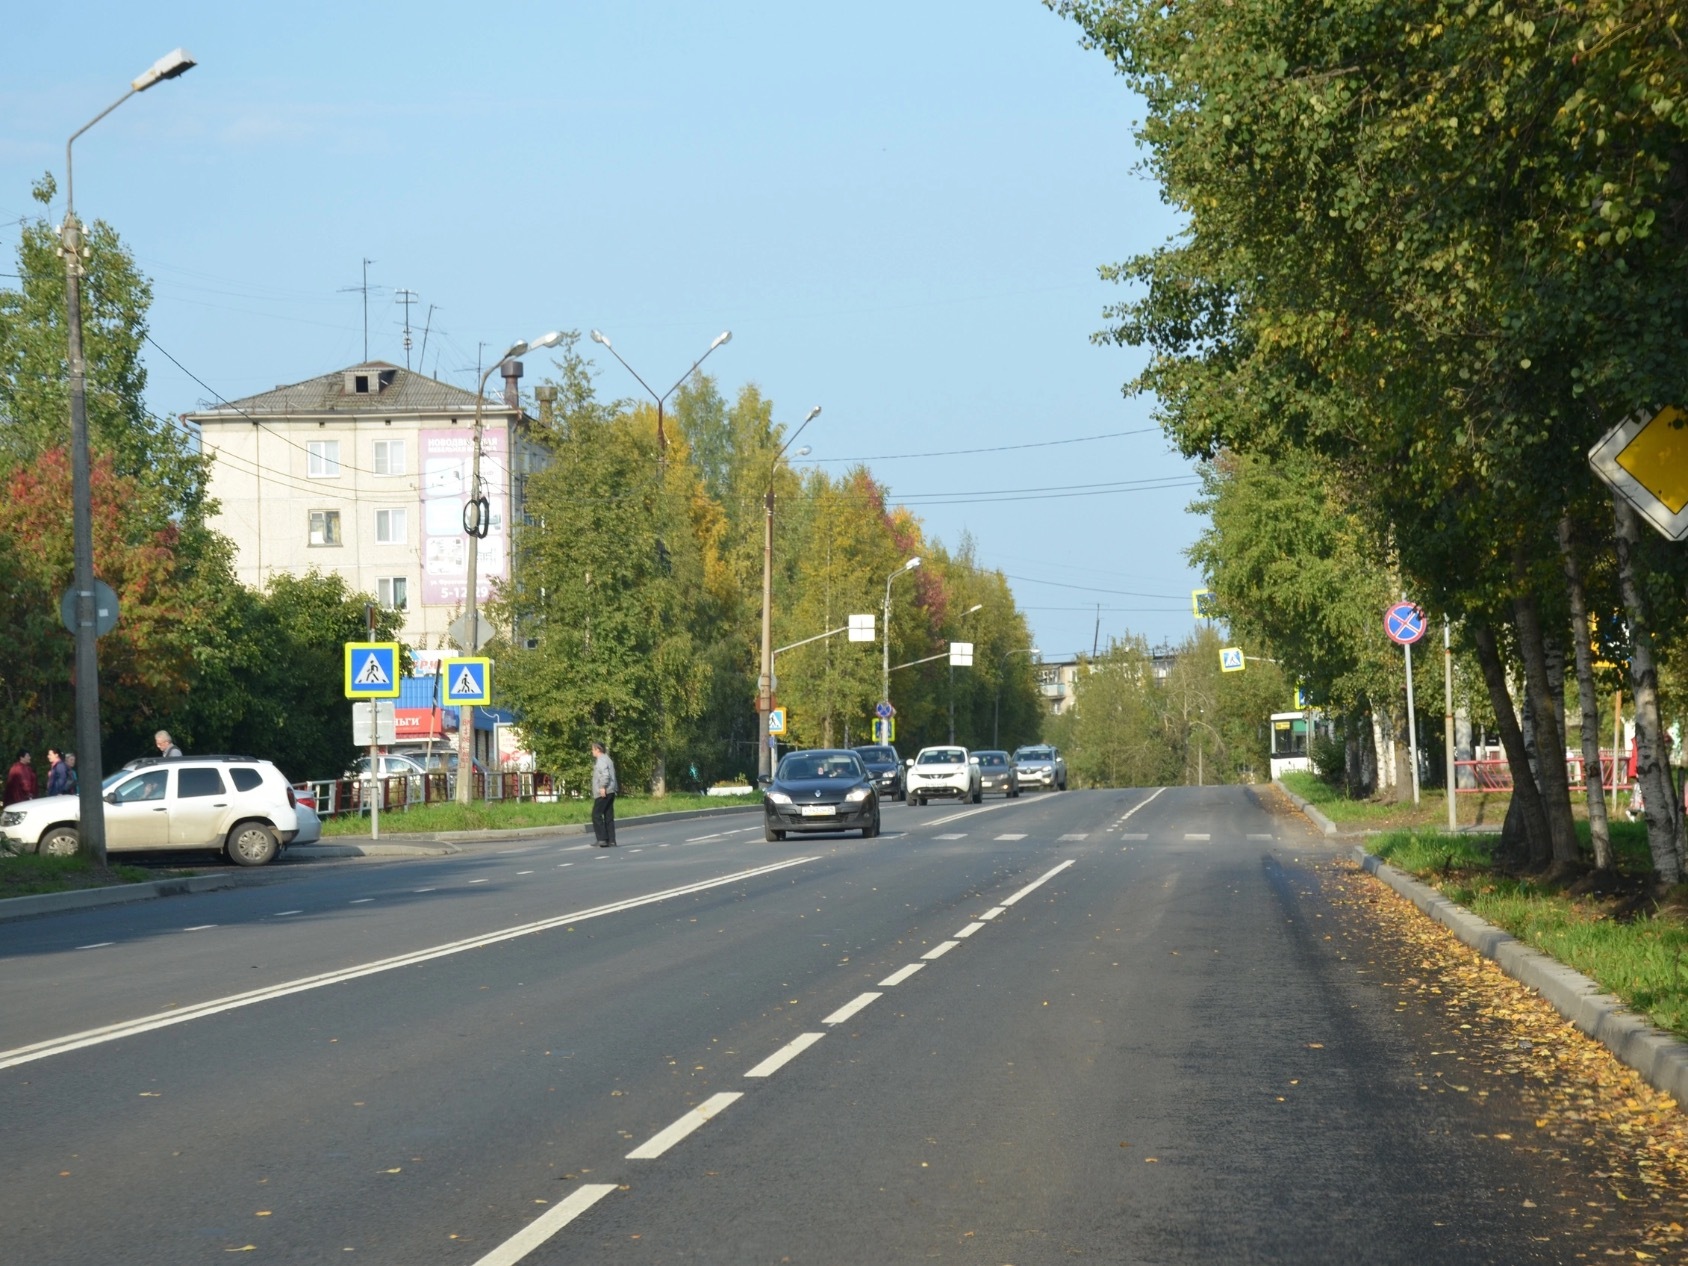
<point>776,722</point>
<point>372,670</point>
<point>466,681</point>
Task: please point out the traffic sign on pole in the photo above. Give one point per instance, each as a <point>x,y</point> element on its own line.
<point>466,681</point>
<point>1645,457</point>
<point>1404,622</point>
<point>861,628</point>
<point>1231,659</point>
<point>1202,603</point>
<point>883,710</point>
<point>776,721</point>
<point>961,654</point>
<point>372,670</point>
<point>884,730</point>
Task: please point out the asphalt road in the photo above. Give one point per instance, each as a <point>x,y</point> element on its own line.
<point>1110,1026</point>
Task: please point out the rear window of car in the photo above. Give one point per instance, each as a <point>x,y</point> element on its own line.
<point>245,778</point>
<point>198,782</point>
<point>877,753</point>
<point>941,756</point>
<point>993,759</point>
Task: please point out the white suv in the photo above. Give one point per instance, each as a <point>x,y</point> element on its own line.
<point>942,772</point>
<point>235,804</point>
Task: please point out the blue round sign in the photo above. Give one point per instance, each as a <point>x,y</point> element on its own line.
<point>1404,622</point>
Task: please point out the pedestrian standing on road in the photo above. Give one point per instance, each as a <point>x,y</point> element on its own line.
<point>20,779</point>
<point>72,784</point>
<point>604,787</point>
<point>58,774</point>
<point>166,745</point>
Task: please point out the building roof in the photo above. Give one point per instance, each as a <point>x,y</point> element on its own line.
<point>399,391</point>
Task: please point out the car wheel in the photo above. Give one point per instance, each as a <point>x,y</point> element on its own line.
<point>59,842</point>
<point>871,829</point>
<point>772,836</point>
<point>253,844</point>
<point>978,795</point>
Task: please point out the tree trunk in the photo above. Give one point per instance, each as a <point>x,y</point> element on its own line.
<point>1599,829</point>
<point>1657,795</point>
<point>1526,798</point>
<point>1550,739</point>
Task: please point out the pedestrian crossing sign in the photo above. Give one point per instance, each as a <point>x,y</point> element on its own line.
<point>466,681</point>
<point>776,722</point>
<point>372,670</point>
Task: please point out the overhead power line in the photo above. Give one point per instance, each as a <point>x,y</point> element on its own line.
<point>1000,448</point>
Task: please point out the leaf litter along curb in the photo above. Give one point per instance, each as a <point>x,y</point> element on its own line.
<point>1584,1107</point>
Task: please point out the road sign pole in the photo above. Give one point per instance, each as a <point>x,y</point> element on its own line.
<point>1448,719</point>
<point>1412,723</point>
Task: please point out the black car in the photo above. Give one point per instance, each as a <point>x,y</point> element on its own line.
<point>997,772</point>
<point>885,767</point>
<point>821,790</point>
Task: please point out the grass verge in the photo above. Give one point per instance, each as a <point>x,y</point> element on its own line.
<point>1595,926</point>
<point>497,815</point>
<point>1479,809</point>
<point>30,875</point>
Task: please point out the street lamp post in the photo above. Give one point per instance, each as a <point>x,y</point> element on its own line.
<point>1001,664</point>
<point>602,339</point>
<point>91,771</point>
<point>477,521</point>
<point>765,683</point>
<point>977,606</point>
<point>885,630</point>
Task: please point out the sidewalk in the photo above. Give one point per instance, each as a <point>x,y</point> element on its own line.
<point>439,844</point>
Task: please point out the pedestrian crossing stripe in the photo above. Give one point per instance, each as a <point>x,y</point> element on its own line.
<point>467,681</point>
<point>372,670</point>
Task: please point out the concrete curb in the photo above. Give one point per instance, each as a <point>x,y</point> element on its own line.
<point>12,908</point>
<point>1313,815</point>
<point>357,846</point>
<point>400,838</point>
<point>1659,1057</point>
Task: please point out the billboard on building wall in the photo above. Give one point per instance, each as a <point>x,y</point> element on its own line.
<point>446,460</point>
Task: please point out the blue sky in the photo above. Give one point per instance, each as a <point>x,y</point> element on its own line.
<point>898,209</point>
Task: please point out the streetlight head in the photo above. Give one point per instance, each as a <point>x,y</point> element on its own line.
<point>977,606</point>
<point>725,336</point>
<point>172,64</point>
<point>802,452</point>
<point>911,564</point>
<point>518,348</point>
<point>598,337</point>
<point>546,340</point>
<point>812,414</point>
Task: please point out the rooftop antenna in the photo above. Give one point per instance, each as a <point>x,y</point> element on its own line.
<point>365,289</point>
<point>422,359</point>
<point>406,297</point>
<point>1096,637</point>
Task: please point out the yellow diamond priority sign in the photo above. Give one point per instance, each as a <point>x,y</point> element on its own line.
<point>1645,457</point>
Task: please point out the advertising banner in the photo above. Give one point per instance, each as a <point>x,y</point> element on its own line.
<point>447,457</point>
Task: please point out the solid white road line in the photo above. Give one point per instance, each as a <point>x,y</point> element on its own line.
<point>938,951</point>
<point>968,931</point>
<point>662,1140</point>
<point>901,974</point>
<point>992,913</point>
<point>951,835</point>
<point>200,927</point>
<point>145,1024</point>
<point>1011,837</point>
<point>967,813</point>
<point>780,1058</point>
<point>97,945</point>
<point>1037,883</point>
<point>547,1224</point>
<point>282,914</point>
<point>1143,805</point>
<point>850,1008</point>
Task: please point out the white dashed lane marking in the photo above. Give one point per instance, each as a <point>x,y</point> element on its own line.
<point>1266,836</point>
<point>968,931</point>
<point>938,951</point>
<point>546,1225</point>
<point>200,927</point>
<point>991,914</point>
<point>952,835</point>
<point>282,914</point>
<point>661,1141</point>
<point>850,1008</point>
<point>780,1058</point>
<point>1197,835</point>
<point>97,945</point>
<point>1081,835</point>
<point>901,974</point>
<point>1129,836</point>
<point>1011,837</point>
<point>363,901</point>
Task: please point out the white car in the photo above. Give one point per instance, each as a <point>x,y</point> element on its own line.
<point>942,773</point>
<point>235,804</point>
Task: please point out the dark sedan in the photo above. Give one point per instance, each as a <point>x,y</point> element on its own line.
<point>885,767</point>
<point>821,791</point>
<point>997,772</point>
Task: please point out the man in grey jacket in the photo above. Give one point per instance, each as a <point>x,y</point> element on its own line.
<point>604,787</point>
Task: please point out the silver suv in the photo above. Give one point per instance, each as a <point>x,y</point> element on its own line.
<point>1041,766</point>
<point>237,805</point>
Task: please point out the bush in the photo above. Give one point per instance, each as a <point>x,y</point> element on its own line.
<point>1330,760</point>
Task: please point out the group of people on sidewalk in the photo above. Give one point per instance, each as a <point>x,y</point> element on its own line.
<point>22,784</point>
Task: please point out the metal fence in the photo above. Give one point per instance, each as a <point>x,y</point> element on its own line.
<point>335,796</point>
<point>1476,776</point>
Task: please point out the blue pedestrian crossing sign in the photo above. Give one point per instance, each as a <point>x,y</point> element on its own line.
<point>372,670</point>
<point>1231,659</point>
<point>776,721</point>
<point>466,681</point>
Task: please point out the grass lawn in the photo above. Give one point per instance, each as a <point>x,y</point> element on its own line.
<point>1478,809</point>
<point>1603,925</point>
<point>499,815</point>
<point>31,875</point>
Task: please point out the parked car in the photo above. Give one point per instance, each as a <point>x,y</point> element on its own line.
<point>997,773</point>
<point>393,765</point>
<point>1042,766</point>
<point>238,805</point>
<point>885,766</point>
<point>820,790</point>
<point>310,822</point>
<point>940,773</point>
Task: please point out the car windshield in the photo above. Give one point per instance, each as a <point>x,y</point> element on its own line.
<point>820,765</point>
<point>877,753</point>
<point>993,759</point>
<point>1032,753</point>
<point>942,756</point>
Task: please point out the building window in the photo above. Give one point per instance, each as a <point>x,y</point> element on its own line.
<point>325,527</point>
<point>391,592</point>
<point>389,527</point>
<point>324,459</point>
<point>389,457</point>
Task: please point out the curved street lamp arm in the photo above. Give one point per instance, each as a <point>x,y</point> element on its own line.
<point>69,178</point>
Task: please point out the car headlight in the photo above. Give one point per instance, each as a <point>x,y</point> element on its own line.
<point>860,793</point>
<point>779,797</point>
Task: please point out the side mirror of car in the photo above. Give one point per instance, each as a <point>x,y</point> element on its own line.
<point>972,760</point>
<point>909,762</point>
<point>110,797</point>
<point>763,780</point>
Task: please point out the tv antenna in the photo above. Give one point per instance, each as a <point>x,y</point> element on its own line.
<point>365,289</point>
<point>407,297</point>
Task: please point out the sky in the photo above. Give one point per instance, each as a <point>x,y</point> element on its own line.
<point>899,211</point>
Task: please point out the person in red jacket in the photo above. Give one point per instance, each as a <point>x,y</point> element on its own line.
<point>20,780</point>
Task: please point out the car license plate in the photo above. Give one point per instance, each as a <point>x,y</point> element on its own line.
<point>819,810</point>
